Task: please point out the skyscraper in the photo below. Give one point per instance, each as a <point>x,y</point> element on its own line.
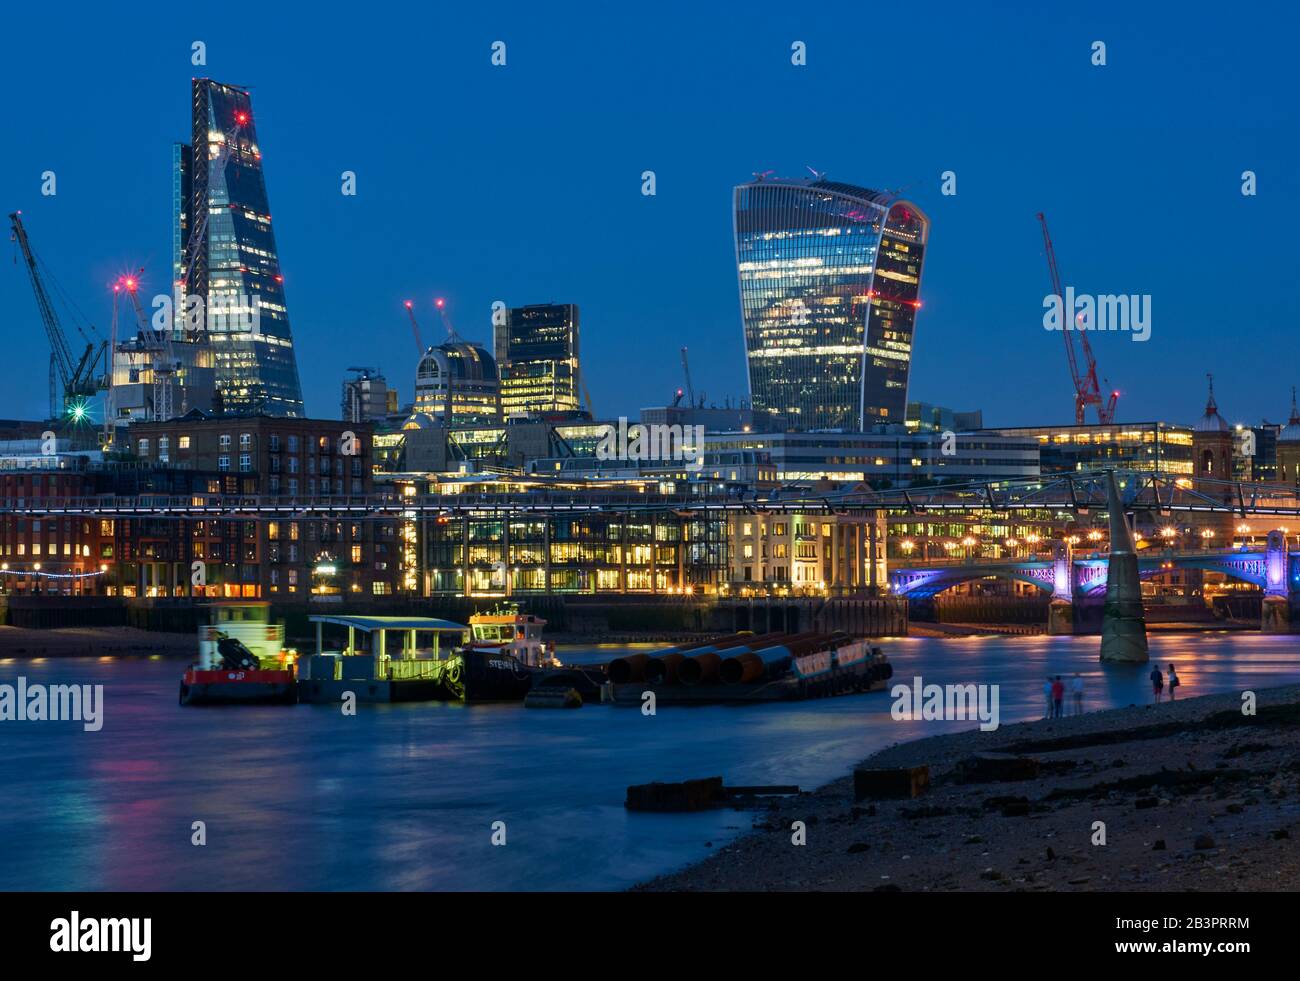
<point>830,276</point>
<point>223,232</point>
<point>536,350</point>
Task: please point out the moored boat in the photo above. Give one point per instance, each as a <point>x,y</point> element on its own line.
<point>409,659</point>
<point>242,659</point>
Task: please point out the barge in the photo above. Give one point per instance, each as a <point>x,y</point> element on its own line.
<point>741,668</point>
<point>242,659</point>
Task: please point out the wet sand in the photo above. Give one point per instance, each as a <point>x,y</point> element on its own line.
<point>1193,795</point>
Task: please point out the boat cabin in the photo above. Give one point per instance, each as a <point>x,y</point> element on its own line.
<point>380,648</point>
<point>250,624</point>
<point>511,632</point>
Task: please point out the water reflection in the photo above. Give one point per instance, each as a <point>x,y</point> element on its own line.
<point>404,797</point>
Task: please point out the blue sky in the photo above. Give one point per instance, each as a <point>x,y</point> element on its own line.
<point>523,183</point>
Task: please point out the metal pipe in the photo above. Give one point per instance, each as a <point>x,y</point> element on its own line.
<point>630,668</point>
<point>773,659</point>
<point>663,670</point>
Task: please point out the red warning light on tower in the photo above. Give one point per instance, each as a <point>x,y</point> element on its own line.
<point>439,303</point>
<point>241,118</point>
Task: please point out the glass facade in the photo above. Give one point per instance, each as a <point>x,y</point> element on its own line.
<point>457,383</point>
<point>230,252</point>
<point>537,354</point>
<point>830,278</point>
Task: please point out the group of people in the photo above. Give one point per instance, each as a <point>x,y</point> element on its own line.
<point>1054,691</point>
<point>1158,682</point>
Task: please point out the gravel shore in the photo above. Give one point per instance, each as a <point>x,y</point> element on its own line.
<point>1193,795</point>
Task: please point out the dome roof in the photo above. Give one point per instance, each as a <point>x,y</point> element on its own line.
<point>1211,422</point>
<point>460,359</point>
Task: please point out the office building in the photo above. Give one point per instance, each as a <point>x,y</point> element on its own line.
<point>224,250</point>
<point>536,350</point>
<point>830,278</point>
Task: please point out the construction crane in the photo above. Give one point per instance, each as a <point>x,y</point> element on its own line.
<point>690,389</point>
<point>1087,390</point>
<point>415,327</point>
<point>441,304</point>
<point>74,378</point>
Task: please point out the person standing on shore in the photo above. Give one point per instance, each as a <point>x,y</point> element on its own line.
<point>1076,689</point>
<point>1058,697</point>
<point>1047,696</point>
<point>1157,683</point>
<point>1173,682</point>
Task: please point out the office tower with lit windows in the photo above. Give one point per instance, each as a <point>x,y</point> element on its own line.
<point>536,350</point>
<point>224,250</point>
<point>830,278</point>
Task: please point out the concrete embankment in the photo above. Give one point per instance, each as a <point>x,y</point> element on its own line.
<point>1194,795</point>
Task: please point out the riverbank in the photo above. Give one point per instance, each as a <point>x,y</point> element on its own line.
<point>1193,795</point>
<point>94,642</point>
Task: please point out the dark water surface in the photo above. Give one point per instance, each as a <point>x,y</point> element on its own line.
<point>405,796</point>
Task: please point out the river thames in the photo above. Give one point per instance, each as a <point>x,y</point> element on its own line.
<point>405,797</point>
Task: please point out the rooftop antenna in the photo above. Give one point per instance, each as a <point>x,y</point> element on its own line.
<point>818,174</point>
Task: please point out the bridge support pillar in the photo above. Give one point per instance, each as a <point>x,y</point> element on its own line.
<point>1123,625</point>
<point>1276,618</point>
<point>1277,615</point>
<point>1060,617</point>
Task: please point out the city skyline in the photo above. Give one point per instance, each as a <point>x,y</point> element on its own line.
<point>985,278</point>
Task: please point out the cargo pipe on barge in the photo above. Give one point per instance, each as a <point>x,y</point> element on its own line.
<point>660,666</point>
<point>746,666</point>
<point>701,667</point>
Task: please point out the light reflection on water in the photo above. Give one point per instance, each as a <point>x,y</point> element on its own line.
<point>404,797</point>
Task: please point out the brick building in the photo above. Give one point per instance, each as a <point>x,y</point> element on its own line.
<point>262,557</point>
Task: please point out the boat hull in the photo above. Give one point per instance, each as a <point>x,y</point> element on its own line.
<point>238,688</point>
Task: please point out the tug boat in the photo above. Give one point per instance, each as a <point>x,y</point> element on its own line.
<point>242,659</point>
<point>507,631</point>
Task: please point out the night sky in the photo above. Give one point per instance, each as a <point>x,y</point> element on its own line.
<point>523,183</point>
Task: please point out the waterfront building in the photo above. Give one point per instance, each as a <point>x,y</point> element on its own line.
<point>537,356</point>
<point>807,553</point>
<point>224,249</point>
<point>830,277</point>
<point>456,384</point>
<point>283,459</point>
<point>632,537</point>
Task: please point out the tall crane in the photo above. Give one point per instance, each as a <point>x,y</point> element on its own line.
<point>441,304</point>
<point>1087,390</point>
<point>74,376</point>
<point>686,370</point>
<point>415,327</point>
